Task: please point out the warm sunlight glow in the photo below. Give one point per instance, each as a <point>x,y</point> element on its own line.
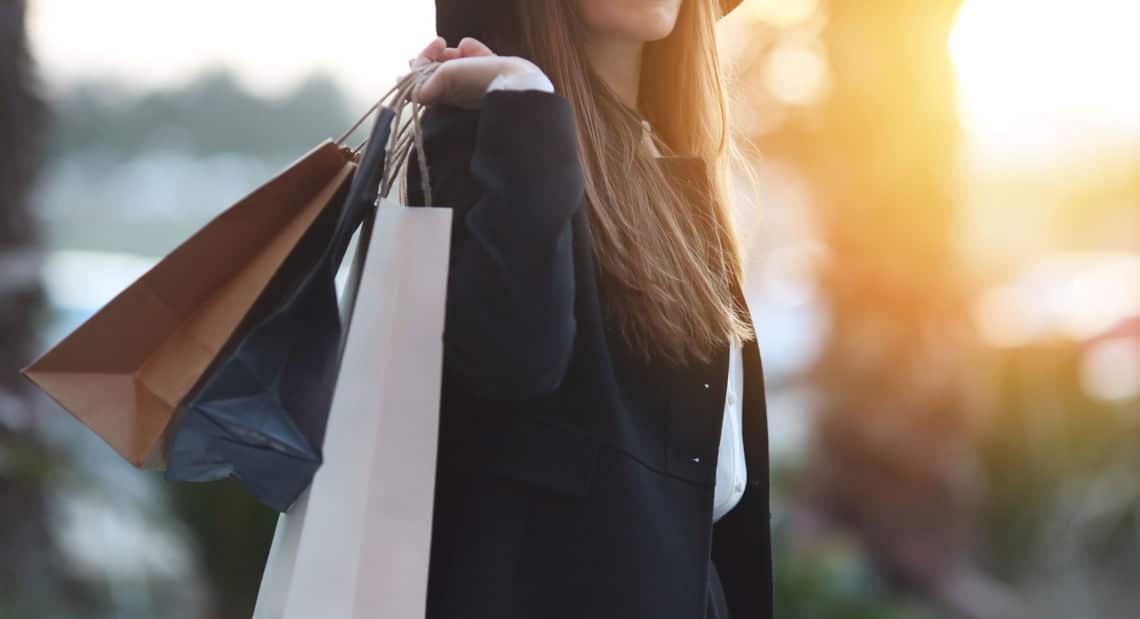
<point>783,13</point>
<point>1043,76</point>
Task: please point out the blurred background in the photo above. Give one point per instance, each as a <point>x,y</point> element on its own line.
<point>943,225</point>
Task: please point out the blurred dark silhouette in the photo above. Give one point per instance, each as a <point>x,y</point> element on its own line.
<point>22,118</point>
<point>30,568</point>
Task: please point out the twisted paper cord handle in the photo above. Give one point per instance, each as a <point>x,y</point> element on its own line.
<point>406,134</point>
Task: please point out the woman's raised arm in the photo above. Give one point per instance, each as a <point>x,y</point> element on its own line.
<point>510,171</point>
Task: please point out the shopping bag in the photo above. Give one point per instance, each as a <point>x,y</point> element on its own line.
<point>259,415</point>
<point>357,543</point>
<point>125,370</point>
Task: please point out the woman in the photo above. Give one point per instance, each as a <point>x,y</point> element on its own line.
<point>602,393</point>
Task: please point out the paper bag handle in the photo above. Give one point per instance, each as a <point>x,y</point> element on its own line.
<point>406,136</point>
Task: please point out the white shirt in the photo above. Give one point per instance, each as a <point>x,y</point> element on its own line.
<point>731,474</point>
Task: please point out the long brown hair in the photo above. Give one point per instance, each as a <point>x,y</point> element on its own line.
<point>667,261</point>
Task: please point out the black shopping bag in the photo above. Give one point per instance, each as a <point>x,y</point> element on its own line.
<point>259,415</point>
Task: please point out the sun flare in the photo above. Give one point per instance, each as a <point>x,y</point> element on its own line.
<point>1048,73</point>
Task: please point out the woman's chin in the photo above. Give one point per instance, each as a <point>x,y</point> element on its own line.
<point>657,24</point>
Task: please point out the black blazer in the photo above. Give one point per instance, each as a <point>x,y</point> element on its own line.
<point>573,482</point>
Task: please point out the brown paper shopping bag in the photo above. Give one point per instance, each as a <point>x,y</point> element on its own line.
<point>125,370</point>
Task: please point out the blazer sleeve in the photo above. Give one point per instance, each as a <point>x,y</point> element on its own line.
<point>512,176</point>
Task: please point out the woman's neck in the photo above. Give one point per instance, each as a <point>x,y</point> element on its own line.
<point>618,63</point>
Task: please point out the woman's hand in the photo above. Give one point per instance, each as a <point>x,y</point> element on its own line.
<point>465,72</point>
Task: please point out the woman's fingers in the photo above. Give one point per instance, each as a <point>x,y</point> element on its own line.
<point>438,51</point>
<point>435,49</point>
<point>434,88</point>
<point>470,46</point>
<point>434,52</point>
<point>464,72</point>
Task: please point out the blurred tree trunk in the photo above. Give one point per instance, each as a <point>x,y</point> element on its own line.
<point>32,573</point>
<point>894,456</point>
<point>22,116</point>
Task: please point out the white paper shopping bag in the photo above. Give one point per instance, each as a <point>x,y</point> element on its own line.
<point>356,544</point>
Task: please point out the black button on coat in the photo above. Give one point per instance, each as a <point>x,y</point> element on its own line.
<point>573,482</point>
